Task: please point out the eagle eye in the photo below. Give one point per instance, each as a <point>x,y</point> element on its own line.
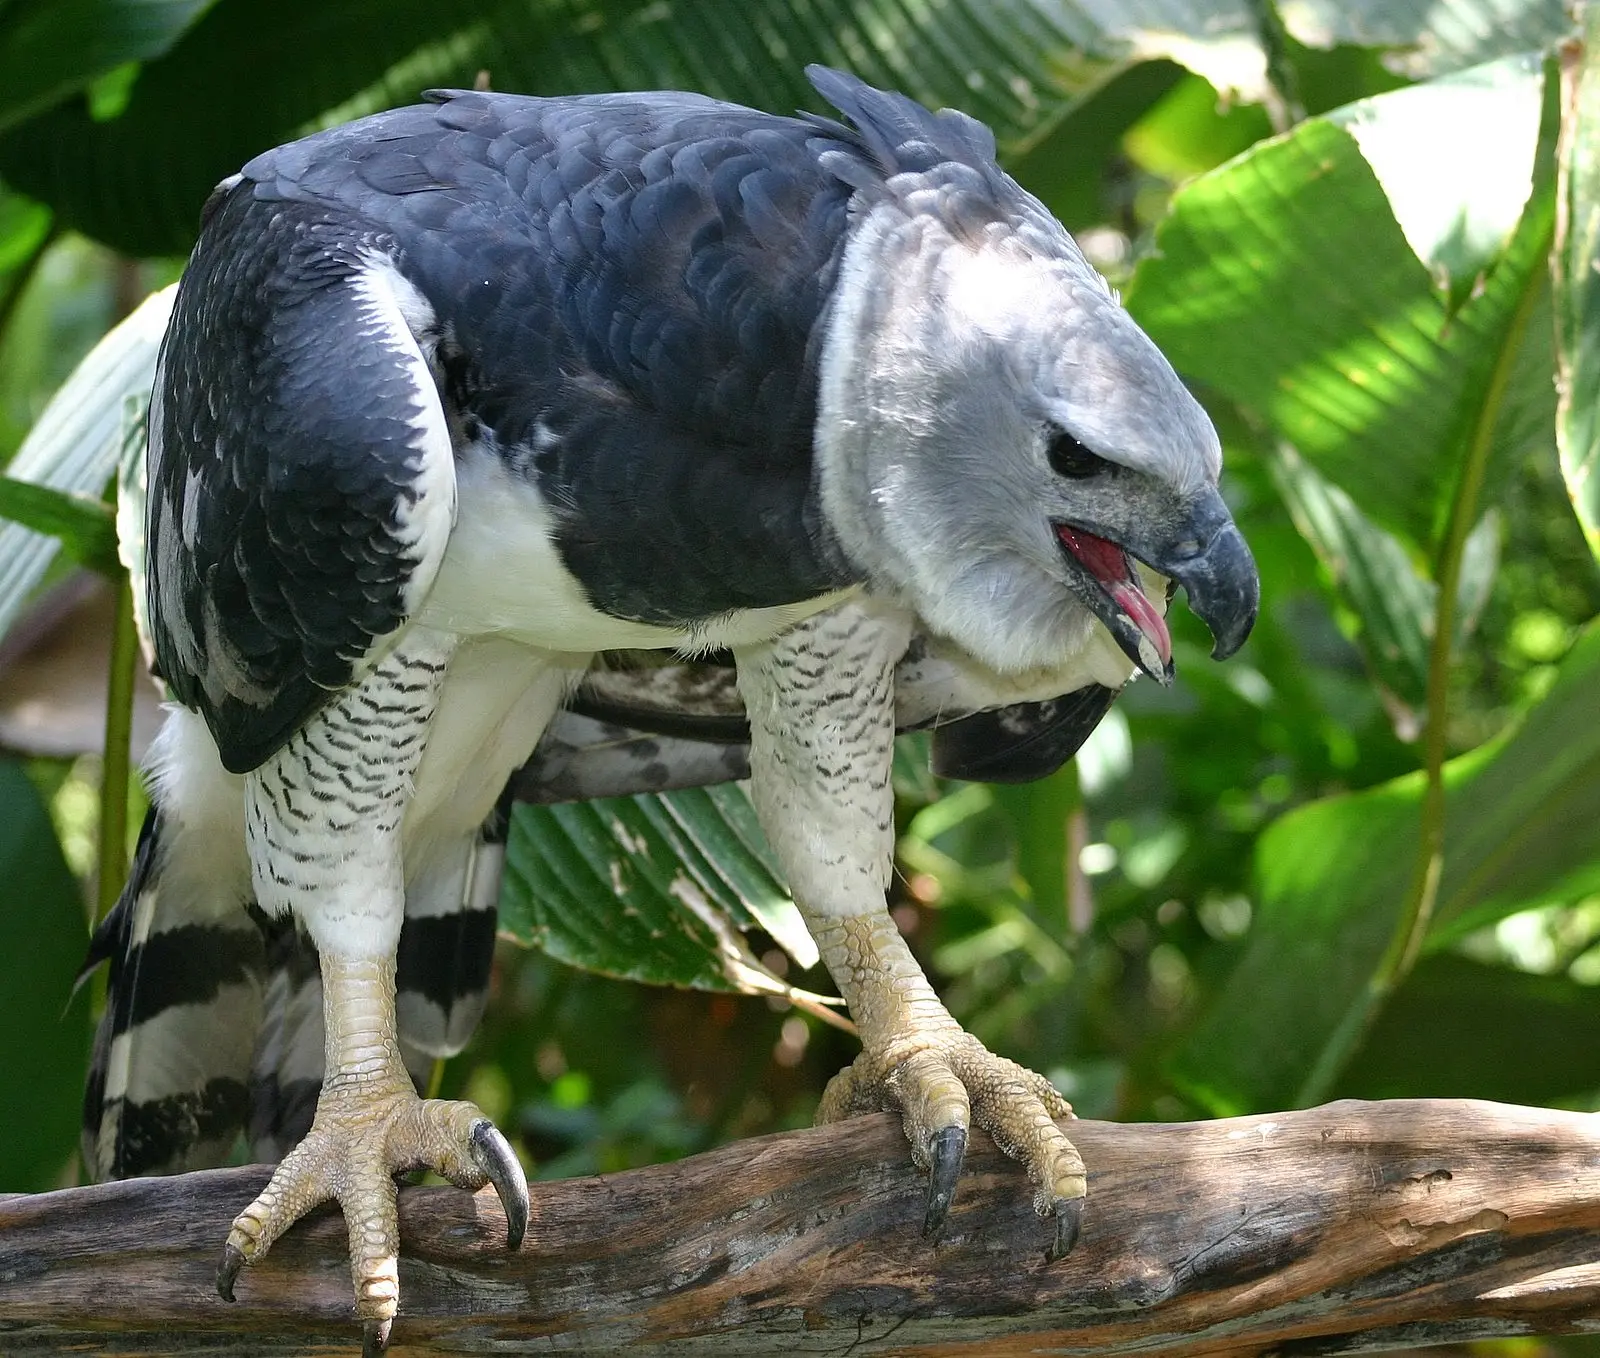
<point>1068,457</point>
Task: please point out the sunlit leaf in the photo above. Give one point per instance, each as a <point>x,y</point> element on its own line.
<point>23,228</point>
<point>1522,829</point>
<point>652,888</point>
<point>1284,281</point>
<point>1191,130</point>
<point>1577,281</point>
<point>1065,161</point>
<point>1432,36</point>
<point>44,1041</point>
<point>1457,198</point>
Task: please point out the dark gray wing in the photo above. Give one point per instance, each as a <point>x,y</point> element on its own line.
<point>1020,743</point>
<point>580,758</point>
<point>629,290</point>
<point>635,728</point>
<point>300,476</point>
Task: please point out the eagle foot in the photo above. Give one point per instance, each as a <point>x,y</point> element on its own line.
<point>359,1140</point>
<point>948,1082</point>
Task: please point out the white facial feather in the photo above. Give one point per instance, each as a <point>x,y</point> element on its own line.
<point>949,353</point>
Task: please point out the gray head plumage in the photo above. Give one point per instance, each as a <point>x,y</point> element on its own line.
<point>968,337</point>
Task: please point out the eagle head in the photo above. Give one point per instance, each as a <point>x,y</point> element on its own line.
<point>999,444</point>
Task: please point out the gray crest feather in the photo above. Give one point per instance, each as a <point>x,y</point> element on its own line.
<point>899,133</point>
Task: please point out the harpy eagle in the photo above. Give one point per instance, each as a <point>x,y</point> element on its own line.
<point>454,398</point>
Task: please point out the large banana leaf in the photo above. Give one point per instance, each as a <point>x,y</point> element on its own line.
<point>1387,324</point>
<point>1522,828</point>
<point>52,48</point>
<point>137,181</point>
<point>1432,37</point>
<point>1286,282</point>
<point>252,73</point>
<point>1578,282</point>
<point>1387,321</point>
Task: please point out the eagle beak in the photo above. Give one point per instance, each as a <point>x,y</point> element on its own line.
<point>1217,573</point>
<point>1207,556</point>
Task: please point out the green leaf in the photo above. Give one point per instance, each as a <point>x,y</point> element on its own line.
<point>1522,828</point>
<point>1462,1029</point>
<point>76,445</point>
<point>24,227</point>
<point>1191,131</point>
<point>1577,280</point>
<point>44,1040</point>
<point>1393,602</point>
<point>1039,814</point>
<point>50,48</point>
<point>651,888</point>
<point>1492,113</point>
<point>1284,281</point>
<point>138,181</point>
<point>1435,36</point>
<point>1065,162</point>
<point>86,527</point>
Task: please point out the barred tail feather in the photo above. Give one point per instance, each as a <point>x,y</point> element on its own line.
<point>213,1020</point>
<point>447,949</point>
<point>167,1084</point>
<point>286,1071</point>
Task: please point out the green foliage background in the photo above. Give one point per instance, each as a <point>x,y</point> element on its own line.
<point>1363,858</point>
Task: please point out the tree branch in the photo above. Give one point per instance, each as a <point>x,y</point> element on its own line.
<point>1352,1226</point>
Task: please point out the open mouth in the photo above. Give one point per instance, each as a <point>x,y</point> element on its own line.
<point>1112,569</point>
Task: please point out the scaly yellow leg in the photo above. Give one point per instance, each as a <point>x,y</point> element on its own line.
<point>821,704</point>
<point>369,1126</point>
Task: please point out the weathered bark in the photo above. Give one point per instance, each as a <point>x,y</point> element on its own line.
<point>1354,1226</point>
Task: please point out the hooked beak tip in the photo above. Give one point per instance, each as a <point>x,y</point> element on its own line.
<point>1223,590</point>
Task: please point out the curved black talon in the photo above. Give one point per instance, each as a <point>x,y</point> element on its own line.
<point>1069,1223</point>
<point>375,1337</point>
<point>945,1155</point>
<point>496,1159</point>
<point>228,1270</point>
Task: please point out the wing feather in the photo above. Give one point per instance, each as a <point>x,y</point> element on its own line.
<point>300,468</point>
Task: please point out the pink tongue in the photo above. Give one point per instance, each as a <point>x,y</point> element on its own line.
<point>1132,601</point>
<point>1109,564</point>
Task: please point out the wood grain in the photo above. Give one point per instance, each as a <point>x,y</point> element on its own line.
<point>1356,1226</point>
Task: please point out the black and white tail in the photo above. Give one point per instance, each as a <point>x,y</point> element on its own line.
<point>168,1085</point>
<point>210,1047</point>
